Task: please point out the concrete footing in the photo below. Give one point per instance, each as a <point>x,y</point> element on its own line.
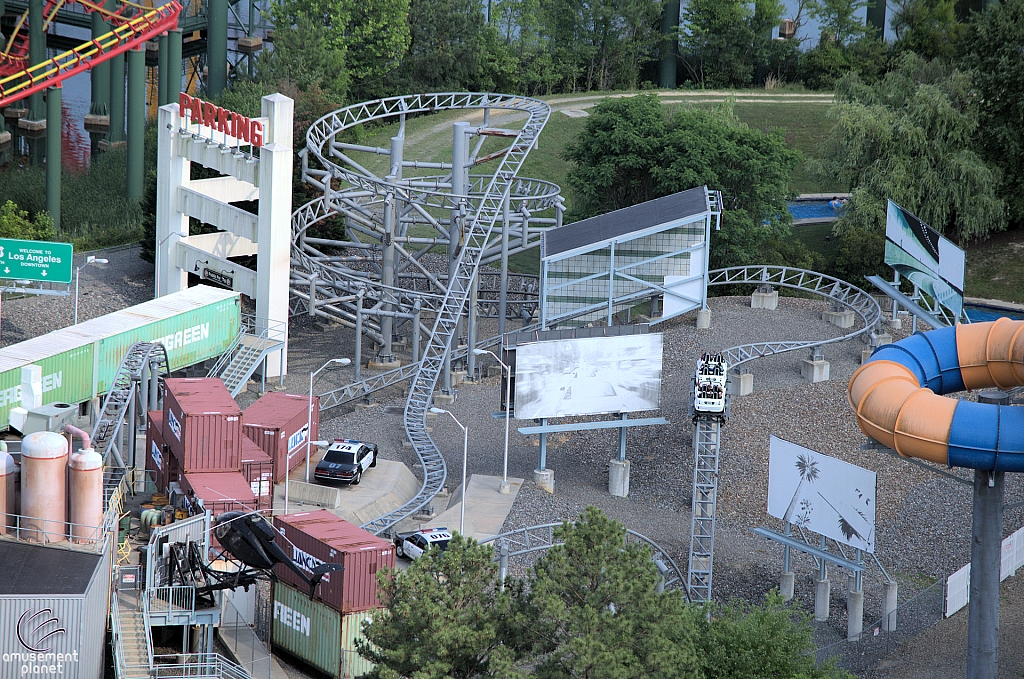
<point>459,376</point>
<point>441,400</point>
<point>890,591</point>
<point>618,478</point>
<point>545,478</point>
<point>814,371</point>
<point>703,319</point>
<point>822,593</point>
<point>384,364</point>
<point>765,300</point>
<point>896,323</point>
<point>865,355</point>
<point>879,339</point>
<point>5,138</point>
<point>840,319</point>
<point>854,612</point>
<point>743,384</point>
<point>494,371</point>
<point>787,585</point>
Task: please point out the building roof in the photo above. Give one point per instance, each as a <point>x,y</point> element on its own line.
<point>678,208</point>
<point>35,570</point>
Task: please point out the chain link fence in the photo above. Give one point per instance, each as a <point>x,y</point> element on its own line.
<point>913,616</point>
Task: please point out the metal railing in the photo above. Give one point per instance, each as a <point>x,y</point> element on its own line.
<point>198,666</point>
<point>51,532</point>
<point>171,599</point>
<point>241,639</point>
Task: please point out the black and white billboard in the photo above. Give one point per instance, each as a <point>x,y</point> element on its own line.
<point>925,257</point>
<point>588,376</point>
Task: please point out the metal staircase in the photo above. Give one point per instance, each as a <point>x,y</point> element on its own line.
<point>249,349</point>
<point>132,642</point>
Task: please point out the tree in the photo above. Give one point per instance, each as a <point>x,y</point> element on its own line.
<point>911,138</point>
<point>927,27</point>
<point>771,640</point>
<point>353,42</point>
<point>446,48</point>
<point>991,50</point>
<point>594,610</point>
<point>303,57</point>
<point>15,223</point>
<point>717,37</point>
<point>444,617</point>
<point>838,19</point>
<point>629,153</point>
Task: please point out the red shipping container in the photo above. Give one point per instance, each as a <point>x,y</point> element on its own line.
<point>202,425</point>
<point>220,491</point>
<point>277,424</point>
<point>159,459</point>
<point>312,538</point>
<point>258,470</point>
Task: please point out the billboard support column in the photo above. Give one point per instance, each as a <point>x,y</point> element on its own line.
<point>622,438</point>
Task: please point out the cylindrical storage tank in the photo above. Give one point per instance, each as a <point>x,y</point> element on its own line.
<point>8,501</point>
<point>85,477</point>
<point>44,460</point>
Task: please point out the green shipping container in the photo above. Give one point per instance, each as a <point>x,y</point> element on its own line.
<point>317,634</point>
<point>80,361</point>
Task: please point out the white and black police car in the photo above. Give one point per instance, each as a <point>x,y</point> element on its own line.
<point>345,462</point>
<point>414,544</point>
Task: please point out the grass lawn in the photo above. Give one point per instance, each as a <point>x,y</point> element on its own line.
<point>994,270</point>
<point>817,237</point>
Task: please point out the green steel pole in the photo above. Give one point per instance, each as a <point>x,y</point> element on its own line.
<point>36,53</point>
<point>136,122</point>
<point>174,66</point>
<point>53,128</point>
<point>163,77</point>
<point>216,47</point>
<point>876,17</point>
<point>100,73</point>
<point>116,133</point>
<point>669,28</point>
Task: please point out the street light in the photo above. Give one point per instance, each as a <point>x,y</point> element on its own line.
<point>465,454</point>
<point>508,398</point>
<point>287,465</point>
<point>309,412</point>
<point>88,260</point>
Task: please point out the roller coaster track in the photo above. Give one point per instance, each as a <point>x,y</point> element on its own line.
<point>478,211</point>
<point>850,296</point>
<point>707,437</point>
<point>542,537</point>
<point>110,431</point>
<point>128,35</point>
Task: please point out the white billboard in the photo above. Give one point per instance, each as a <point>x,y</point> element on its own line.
<point>588,376</point>
<point>925,257</point>
<point>822,494</point>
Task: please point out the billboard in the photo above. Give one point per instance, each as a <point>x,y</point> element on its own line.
<point>589,376</point>
<point>922,255</point>
<point>822,494</point>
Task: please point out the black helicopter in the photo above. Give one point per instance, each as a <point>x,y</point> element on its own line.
<point>248,538</point>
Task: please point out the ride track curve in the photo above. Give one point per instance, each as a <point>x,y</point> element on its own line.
<point>477,217</point>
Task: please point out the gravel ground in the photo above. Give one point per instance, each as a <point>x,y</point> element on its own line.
<point>923,520</point>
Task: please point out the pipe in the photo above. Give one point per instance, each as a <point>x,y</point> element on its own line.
<point>897,398</point>
<point>79,434</point>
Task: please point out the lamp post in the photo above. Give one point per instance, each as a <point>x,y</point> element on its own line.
<point>508,398</point>
<point>309,412</point>
<point>88,260</point>
<point>287,474</point>
<point>465,454</point>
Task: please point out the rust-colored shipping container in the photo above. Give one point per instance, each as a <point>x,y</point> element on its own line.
<point>202,425</point>
<point>312,538</point>
<point>159,459</point>
<point>220,491</point>
<point>258,470</point>
<point>277,424</point>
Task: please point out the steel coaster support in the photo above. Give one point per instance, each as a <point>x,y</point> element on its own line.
<point>707,438</point>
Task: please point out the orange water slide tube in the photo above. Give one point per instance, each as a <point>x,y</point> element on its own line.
<point>898,396</point>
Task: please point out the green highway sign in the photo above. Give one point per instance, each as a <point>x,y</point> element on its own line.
<point>35,260</point>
